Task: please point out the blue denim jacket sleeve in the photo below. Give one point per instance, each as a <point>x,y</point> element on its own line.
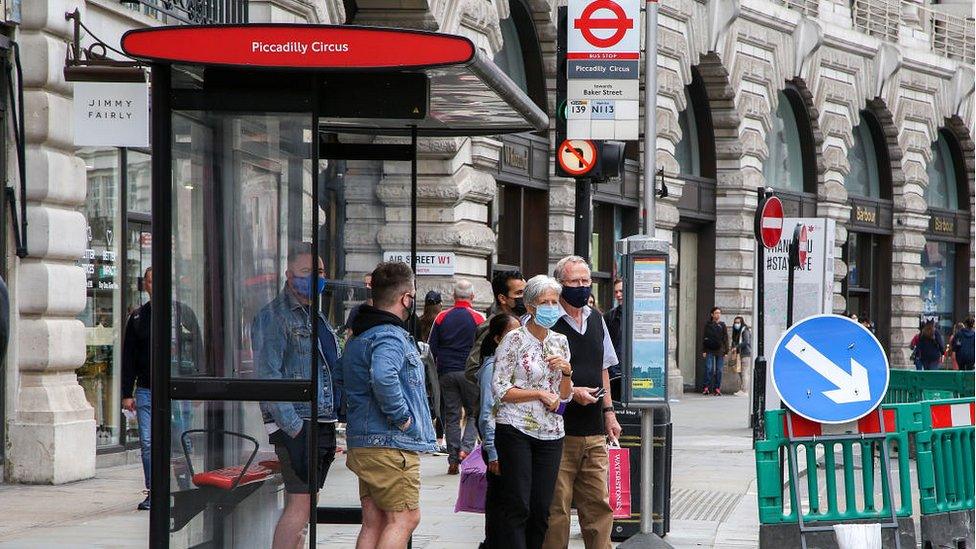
<point>486,422</point>
<point>269,341</point>
<point>384,373</point>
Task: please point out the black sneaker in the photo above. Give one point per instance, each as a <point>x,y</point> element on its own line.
<point>144,506</point>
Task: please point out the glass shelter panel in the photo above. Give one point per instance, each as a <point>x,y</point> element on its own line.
<point>215,500</point>
<point>242,207</point>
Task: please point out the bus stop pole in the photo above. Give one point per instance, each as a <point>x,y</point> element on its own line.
<point>650,168</point>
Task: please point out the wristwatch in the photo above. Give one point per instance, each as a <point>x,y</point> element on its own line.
<point>570,374</point>
<point>608,409</point>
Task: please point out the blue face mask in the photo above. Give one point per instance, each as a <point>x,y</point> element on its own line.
<point>303,285</point>
<point>547,315</point>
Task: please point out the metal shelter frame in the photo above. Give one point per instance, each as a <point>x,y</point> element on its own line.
<point>476,86</point>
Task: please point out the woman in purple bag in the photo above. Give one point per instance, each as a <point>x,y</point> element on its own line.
<point>532,377</point>
<point>498,326</point>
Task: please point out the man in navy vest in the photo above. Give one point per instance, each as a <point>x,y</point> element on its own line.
<point>589,418</point>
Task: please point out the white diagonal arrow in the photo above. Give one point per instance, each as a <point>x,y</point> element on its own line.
<point>852,387</point>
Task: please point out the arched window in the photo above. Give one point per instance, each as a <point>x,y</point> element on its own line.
<point>521,57</point>
<point>686,152</point>
<point>511,59</point>
<point>864,178</point>
<point>943,189</point>
<point>790,164</point>
<point>945,289</point>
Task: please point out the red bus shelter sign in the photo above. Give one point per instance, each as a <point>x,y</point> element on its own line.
<point>298,46</point>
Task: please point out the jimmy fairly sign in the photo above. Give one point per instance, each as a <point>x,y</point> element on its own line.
<point>111,114</point>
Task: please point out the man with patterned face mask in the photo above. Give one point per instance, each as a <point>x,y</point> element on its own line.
<point>283,346</point>
<point>589,418</point>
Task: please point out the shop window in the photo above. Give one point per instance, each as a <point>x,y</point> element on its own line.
<point>863,179</point>
<point>941,191</point>
<point>938,288</point>
<point>102,316</point>
<point>945,289</point>
<point>522,217</point>
<point>790,162</point>
<point>138,178</point>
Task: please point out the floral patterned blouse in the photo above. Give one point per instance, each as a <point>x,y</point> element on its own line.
<point>519,362</point>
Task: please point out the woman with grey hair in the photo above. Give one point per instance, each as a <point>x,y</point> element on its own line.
<point>532,383</point>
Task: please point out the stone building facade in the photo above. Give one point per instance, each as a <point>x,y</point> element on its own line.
<point>747,89</point>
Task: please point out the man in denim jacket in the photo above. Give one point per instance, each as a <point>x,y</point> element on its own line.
<point>282,343</point>
<point>389,425</point>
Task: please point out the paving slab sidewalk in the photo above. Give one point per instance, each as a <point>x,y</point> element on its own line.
<point>713,496</point>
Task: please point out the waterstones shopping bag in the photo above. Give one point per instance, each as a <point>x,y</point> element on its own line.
<point>618,478</point>
<point>474,484</point>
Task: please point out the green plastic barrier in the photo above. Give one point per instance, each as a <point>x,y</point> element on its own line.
<point>907,386</point>
<point>945,456</point>
<point>829,506</point>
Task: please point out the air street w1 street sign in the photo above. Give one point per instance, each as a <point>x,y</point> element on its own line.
<point>602,56</point>
<point>830,369</point>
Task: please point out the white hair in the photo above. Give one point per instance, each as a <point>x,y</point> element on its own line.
<point>560,269</point>
<point>538,285</point>
<point>463,289</point>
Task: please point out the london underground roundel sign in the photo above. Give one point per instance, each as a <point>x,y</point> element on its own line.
<point>298,46</point>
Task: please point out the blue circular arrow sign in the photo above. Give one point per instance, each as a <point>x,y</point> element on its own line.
<point>830,369</point>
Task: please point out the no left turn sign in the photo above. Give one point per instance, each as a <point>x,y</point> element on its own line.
<point>577,156</point>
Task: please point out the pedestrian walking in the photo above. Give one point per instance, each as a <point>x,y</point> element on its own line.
<point>137,374</point>
<point>432,308</point>
<point>451,339</point>
<point>928,347</point>
<point>614,320</point>
<point>589,418</point>
<point>715,345</point>
<point>741,353</point>
<point>382,380</point>
<point>281,339</point>
<point>964,345</point>
<point>509,290</point>
<point>532,378</point>
<point>498,326</point>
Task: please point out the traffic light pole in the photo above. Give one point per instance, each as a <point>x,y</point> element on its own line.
<point>584,217</point>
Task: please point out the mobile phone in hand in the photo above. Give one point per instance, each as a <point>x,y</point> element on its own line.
<point>599,393</point>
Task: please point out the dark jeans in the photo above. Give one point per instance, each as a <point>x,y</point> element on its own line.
<point>493,506</point>
<point>458,393</point>
<point>529,468</point>
<point>713,371</point>
<point>143,398</point>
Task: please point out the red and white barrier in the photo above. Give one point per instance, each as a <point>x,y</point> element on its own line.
<point>945,416</point>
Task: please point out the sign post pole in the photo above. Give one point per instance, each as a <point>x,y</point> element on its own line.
<point>794,264</point>
<point>759,367</point>
<point>650,165</point>
<point>647,537</point>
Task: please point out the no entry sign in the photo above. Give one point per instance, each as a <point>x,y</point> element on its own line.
<point>577,156</point>
<point>770,222</point>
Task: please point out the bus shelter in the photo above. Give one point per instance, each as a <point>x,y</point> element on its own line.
<point>267,138</point>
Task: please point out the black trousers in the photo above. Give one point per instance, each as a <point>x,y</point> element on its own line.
<point>529,468</point>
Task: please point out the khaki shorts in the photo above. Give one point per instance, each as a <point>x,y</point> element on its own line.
<point>390,477</point>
